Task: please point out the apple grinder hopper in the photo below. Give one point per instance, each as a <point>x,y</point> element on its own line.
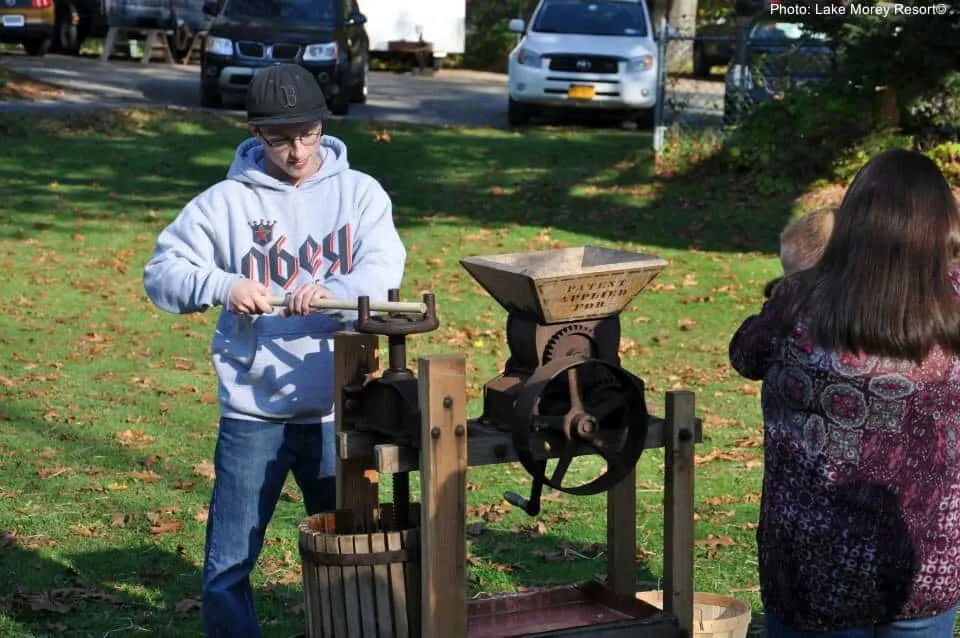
<point>563,392</point>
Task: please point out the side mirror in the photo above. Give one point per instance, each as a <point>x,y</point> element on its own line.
<point>356,18</point>
<point>211,8</point>
<point>516,25</point>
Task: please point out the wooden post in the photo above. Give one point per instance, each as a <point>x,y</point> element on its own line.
<point>354,355</point>
<point>678,583</point>
<point>109,44</point>
<point>443,485</point>
<point>622,535</point>
<point>156,39</point>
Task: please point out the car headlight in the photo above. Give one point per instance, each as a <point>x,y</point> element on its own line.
<point>526,57</point>
<point>219,46</point>
<point>322,51</point>
<point>641,64</point>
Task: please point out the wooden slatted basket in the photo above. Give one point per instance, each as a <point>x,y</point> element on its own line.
<point>361,574</point>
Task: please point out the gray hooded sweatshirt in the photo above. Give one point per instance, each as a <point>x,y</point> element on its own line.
<point>336,228</point>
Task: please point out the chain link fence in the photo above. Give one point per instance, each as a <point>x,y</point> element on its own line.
<point>762,61</point>
<point>689,101</point>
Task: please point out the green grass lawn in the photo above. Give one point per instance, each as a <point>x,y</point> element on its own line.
<point>107,405</point>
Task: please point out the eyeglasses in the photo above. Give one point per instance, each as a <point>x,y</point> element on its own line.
<point>307,139</point>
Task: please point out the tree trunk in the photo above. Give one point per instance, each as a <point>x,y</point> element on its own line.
<point>683,16</point>
<point>657,10</point>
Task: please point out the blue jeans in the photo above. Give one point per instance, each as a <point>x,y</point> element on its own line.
<point>931,627</point>
<point>252,460</point>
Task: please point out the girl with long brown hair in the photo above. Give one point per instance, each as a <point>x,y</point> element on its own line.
<point>859,530</point>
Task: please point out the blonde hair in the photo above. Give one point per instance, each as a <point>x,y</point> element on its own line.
<point>803,240</point>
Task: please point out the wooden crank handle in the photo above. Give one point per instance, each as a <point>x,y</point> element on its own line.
<point>403,307</point>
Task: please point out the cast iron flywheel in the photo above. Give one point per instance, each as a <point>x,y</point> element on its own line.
<point>573,406</point>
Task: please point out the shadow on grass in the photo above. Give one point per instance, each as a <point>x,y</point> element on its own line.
<point>137,580</point>
<point>543,560</point>
<point>76,597</point>
<point>86,174</point>
<point>591,180</point>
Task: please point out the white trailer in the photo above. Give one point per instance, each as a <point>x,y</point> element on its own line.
<point>396,27</point>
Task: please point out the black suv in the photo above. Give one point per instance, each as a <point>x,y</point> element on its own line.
<point>326,37</point>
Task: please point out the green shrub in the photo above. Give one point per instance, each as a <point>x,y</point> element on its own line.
<point>935,114</point>
<point>947,157</point>
<point>488,43</point>
<point>795,139</point>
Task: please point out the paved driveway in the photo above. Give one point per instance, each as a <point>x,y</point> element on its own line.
<point>449,97</point>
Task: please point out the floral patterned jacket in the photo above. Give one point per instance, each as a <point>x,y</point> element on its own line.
<point>860,511</point>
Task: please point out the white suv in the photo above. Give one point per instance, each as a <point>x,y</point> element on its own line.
<point>596,54</point>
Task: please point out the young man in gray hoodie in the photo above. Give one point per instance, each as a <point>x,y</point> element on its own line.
<point>291,218</point>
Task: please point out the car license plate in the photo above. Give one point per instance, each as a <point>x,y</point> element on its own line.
<point>14,21</point>
<point>581,92</point>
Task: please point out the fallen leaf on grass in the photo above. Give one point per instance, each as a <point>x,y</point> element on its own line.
<point>715,541</point>
<point>183,363</point>
<point>290,496</point>
<point>42,601</point>
<point>727,499</point>
<point>202,514</point>
<point>490,513</point>
<point>166,527</point>
<point>50,472</point>
<point>120,520</point>
<point>188,606</point>
<point>750,390</point>
<point>566,551</point>
<point>533,529</point>
<point>749,441</point>
<point>60,601</point>
<point>133,438</point>
<point>719,455</point>
<point>87,532</point>
<point>686,324</point>
<point>147,476</point>
<point>205,469</point>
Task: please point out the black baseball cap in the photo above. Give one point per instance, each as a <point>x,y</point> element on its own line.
<point>284,94</point>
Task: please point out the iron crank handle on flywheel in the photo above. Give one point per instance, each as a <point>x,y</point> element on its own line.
<point>532,505</point>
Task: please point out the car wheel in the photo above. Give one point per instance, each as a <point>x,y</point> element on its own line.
<point>518,113</point>
<point>358,93</point>
<point>37,47</point>
<point>340,103</point>
<point>644,119</point>
<point>210,97</point>
<point>181,42</point>
<point>701,68</point>
<point>67,29</point>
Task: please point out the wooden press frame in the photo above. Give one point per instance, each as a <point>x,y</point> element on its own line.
<point>446,452</point>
